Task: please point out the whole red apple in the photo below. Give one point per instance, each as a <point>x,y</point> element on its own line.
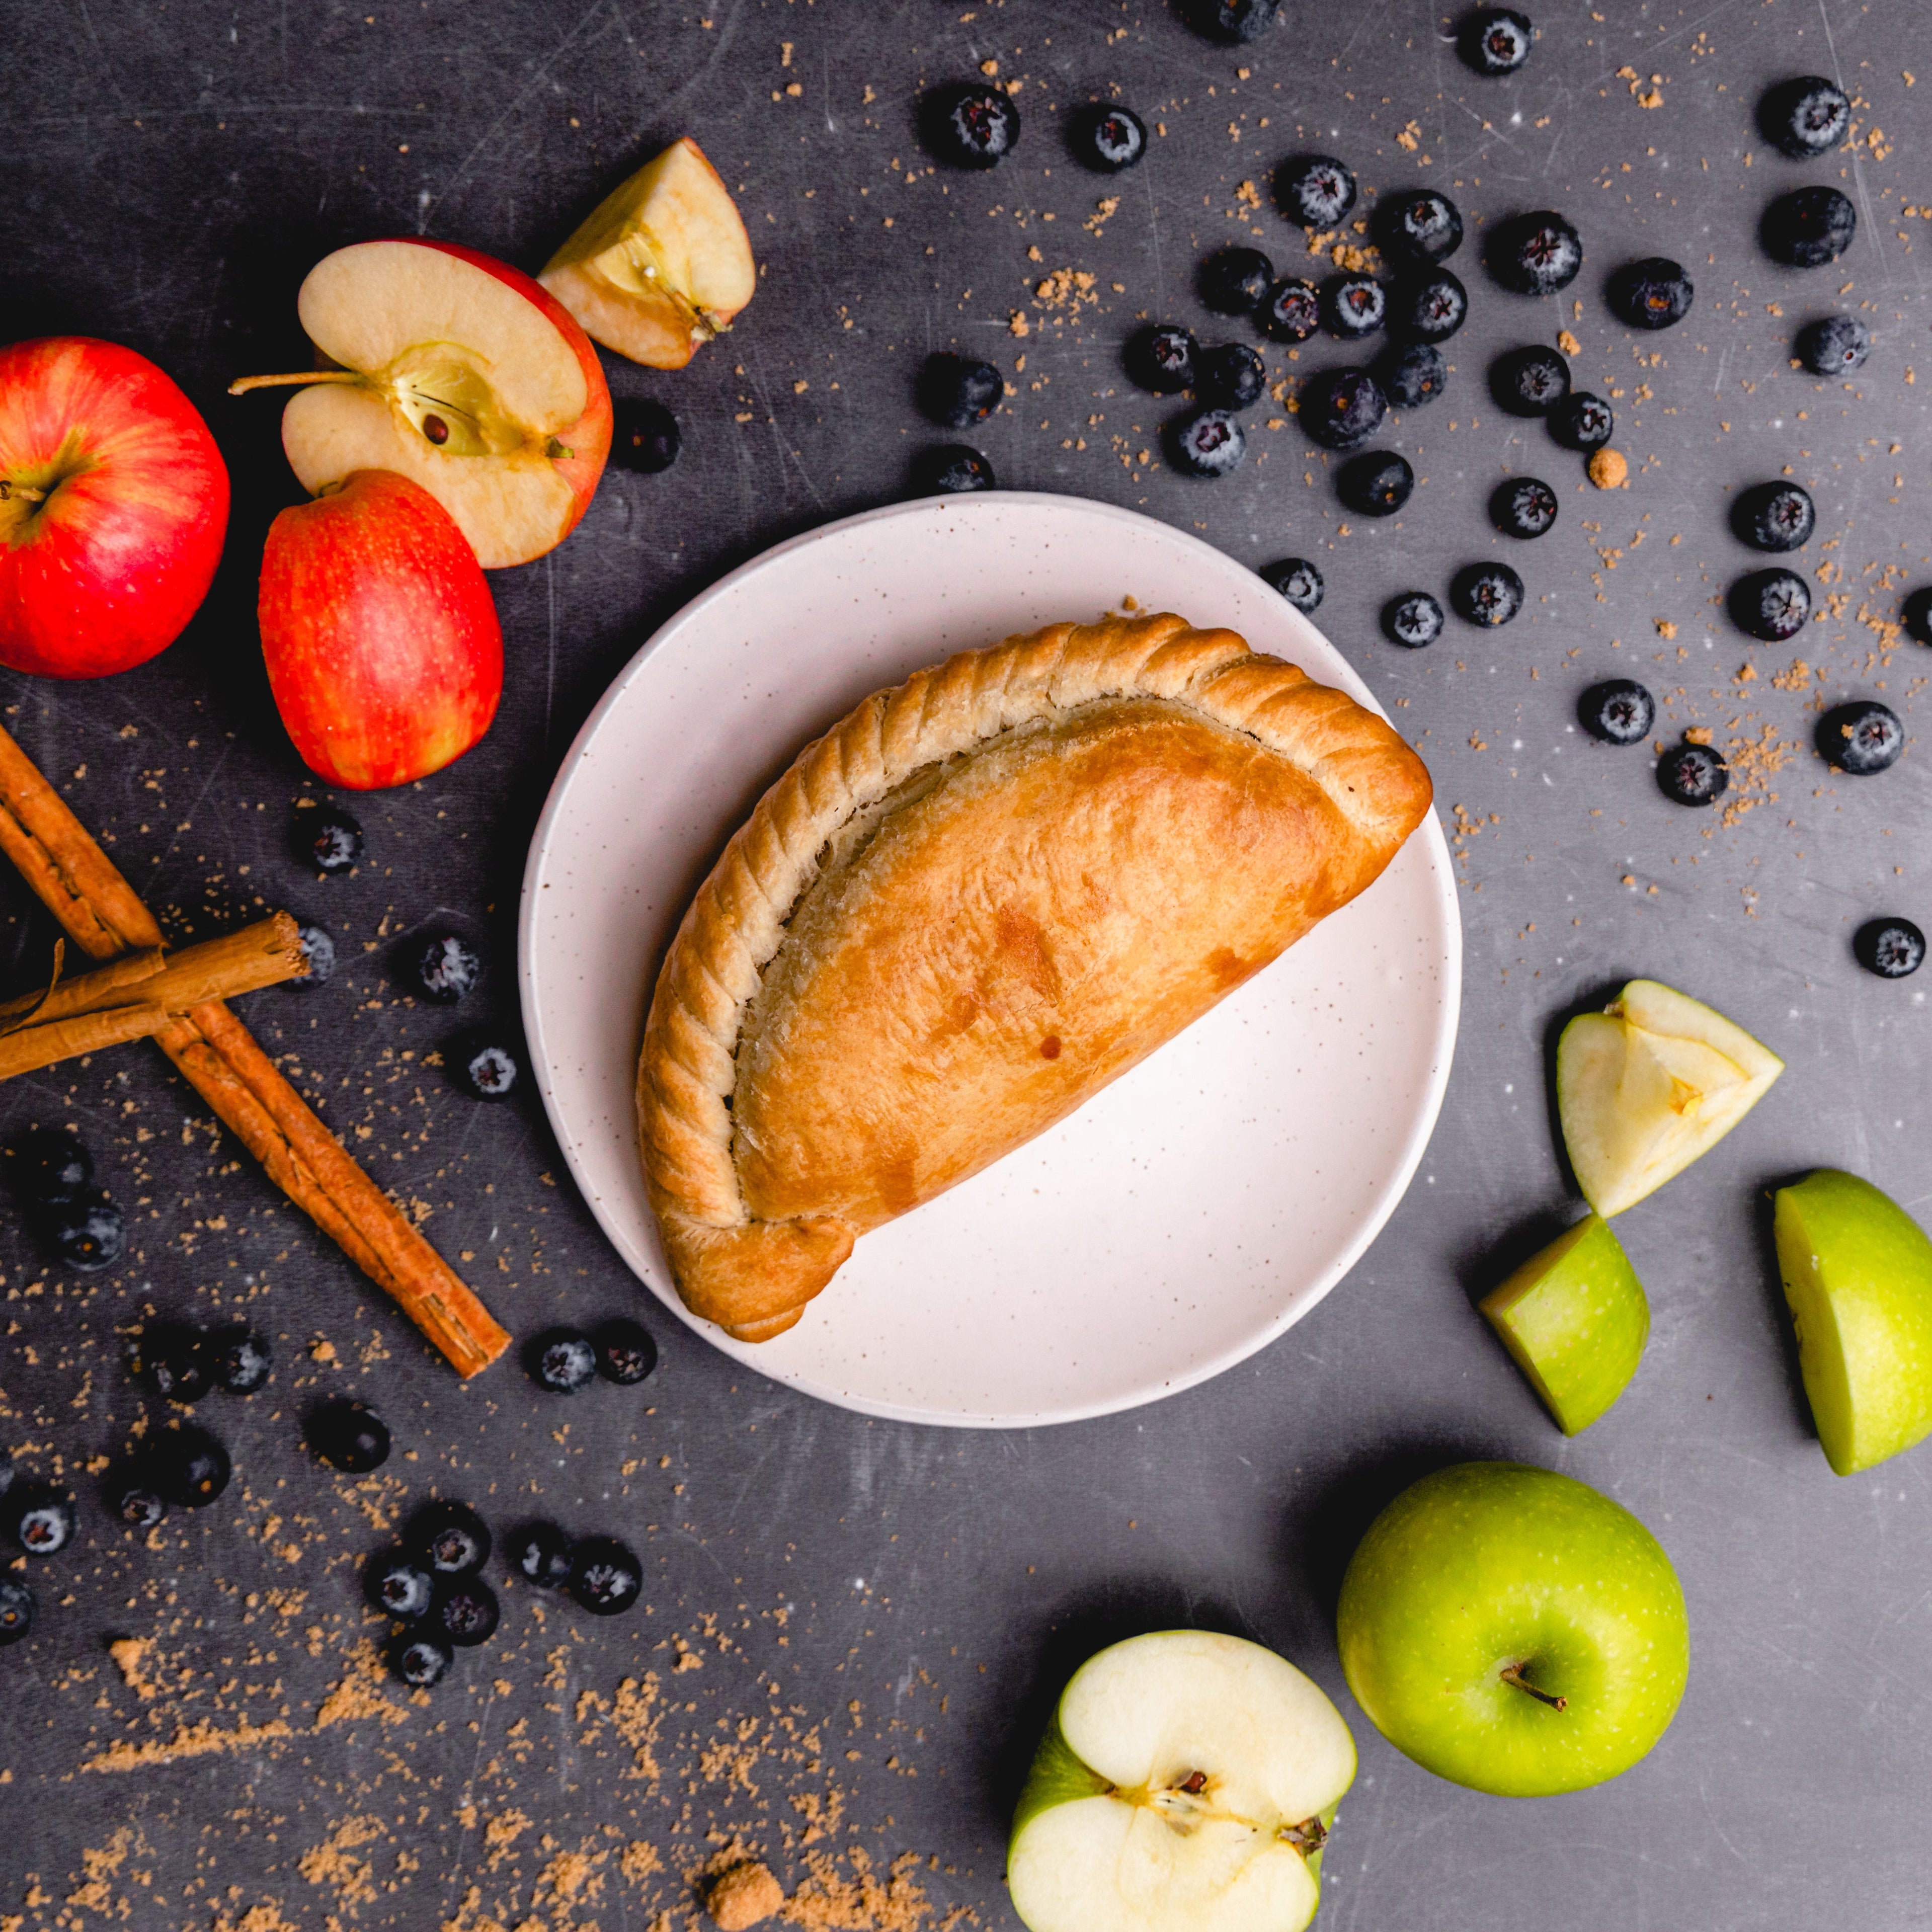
<point>113,503</point>
<point>383,649</point>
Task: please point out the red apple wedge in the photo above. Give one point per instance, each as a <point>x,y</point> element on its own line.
<point>113,504</point>
<point>383,649</point>
<point>458,372</point>
<point>662,264</point>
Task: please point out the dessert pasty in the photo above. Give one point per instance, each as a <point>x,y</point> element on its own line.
<point>970,904</point>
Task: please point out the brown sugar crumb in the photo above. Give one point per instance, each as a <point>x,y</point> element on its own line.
<point>1665,628</point>
<point>130,1656</point>
<point>202,1740</point>
<point>1609,469</point>
<point>1568,343</point>
<point>746,1895</point>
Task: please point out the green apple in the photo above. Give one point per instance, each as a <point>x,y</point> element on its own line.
<point>1647,1085</point>
<point>1575,1318</point>
<point>1511,1630</point>
<point>1858,1273</point>
<point>1186,1784</point>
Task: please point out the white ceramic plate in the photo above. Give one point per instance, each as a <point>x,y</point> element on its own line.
<point>1182,1219</point>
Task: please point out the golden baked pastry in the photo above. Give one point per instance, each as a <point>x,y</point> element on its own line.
<point>969,905</point>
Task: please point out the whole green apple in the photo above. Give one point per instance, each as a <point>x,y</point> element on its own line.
<point>1511,1630</point>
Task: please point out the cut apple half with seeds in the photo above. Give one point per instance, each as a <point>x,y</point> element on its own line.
<point>1647,1085</point>
<point>662,264</point>
<point>458,372</point>
<point>1185,1785</point>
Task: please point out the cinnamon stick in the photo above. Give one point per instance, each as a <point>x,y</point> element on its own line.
<point>104,915</point>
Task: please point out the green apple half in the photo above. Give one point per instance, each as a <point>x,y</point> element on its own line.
<point>1186,1784</point>
<point>1858,1273</point>
<point>1575,1318</point>
<point>1511,1630</point>
<point>1647,1085</point>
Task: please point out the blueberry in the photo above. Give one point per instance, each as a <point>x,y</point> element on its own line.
<point>1774,516</point>
<point>956,391</point>
<point>191,1468</point>
<point>605,1577</point>
<point>1160,357</point>
<point>1234,281</point>
<point>1353,306</point>
<point>1861,738</point>
<point>1110,139</point>
<point>625,1353</point>
<point>241,1359</point>
<point>1582,421</point>
<point>399,1584</point>
<point>644,436</point>
<point>88,1232</point>
<point>1376,484</point>
<point>174,1357</point>
<point>1917,616</point>
<point>442,966</point>
<point>1230,376</point>
<point>1693,775</point>
<point>1891,948</point>
<point>1209,443</point>
<point>1495,40</point>
<point>47,1166</point>
<point>1292,310</point>
<point>1771,605</point>
<point>1429,307</point>
<point>1315,190</point>
<point>1341,409</point>
<point>465,1611</point>
<point>1530,382</point>
<point>540,1553</point>
<point>135,1500</point>
<point>349,1436</point>
<point>1834,345</point>
<point>328,839</point>
<point>1535,254</point>
<point>951,470</point>
<point>484,1068</point>
<point>16,1610</point>
<point>1413,619</point>
<point>1652,293</point>
<point>318,949</point>
<point>1618,711</point>
<point>1411,373</point>
<point>970,125</point>
<point>41,1519</point>
<point>1808,227</point>
<point>1523,507</point>
<point>1236,21</point>
<point>451,1538</point>
<point>1298,580</point>
<point>1418,227</point>
<point>1805,117</point>
<point>1489,594</point>
<point>420,1661</point>
<point>561,1360</point>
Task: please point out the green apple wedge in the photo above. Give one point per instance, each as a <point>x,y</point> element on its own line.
<point>1186,1784</point>
<point>1575,1318</point>
<point>1858,1273</point>
<point>1647,1085</point>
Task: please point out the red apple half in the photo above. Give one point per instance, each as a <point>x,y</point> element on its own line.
<point>113,503</point>
<point>460,373</point>
<point>383,645</point>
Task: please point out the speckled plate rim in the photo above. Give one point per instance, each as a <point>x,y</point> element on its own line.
<point>1311,648</point>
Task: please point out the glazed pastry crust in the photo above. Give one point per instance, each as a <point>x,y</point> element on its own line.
<point>973,902</point>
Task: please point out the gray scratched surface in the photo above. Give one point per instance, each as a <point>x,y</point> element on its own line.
<point>172,170</point>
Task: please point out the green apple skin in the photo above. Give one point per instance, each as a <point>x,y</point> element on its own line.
<point>1488,1566</point>
<point>1575,1319</point>
<point>1858,1273</point>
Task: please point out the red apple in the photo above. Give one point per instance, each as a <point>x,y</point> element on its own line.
<point>383,649</point>
<point>113,503</point>
<point>460,373</point>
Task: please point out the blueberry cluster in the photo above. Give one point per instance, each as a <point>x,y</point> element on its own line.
<point>50,1173</point>
<point>41,1519</point>
<point>432,1586</point>
<point>564,1361</point>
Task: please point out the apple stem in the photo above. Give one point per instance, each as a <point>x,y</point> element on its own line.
<point>18,493</point>
<point>1513,1675</point>
<point>242,385</point>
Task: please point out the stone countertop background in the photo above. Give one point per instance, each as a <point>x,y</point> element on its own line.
<point>856,1628</point>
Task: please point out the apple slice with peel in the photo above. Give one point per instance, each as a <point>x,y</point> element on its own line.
<point>662,264</point>
<point>1647,1085</point>
<point>1186,1784</point>
<point>458,372</point>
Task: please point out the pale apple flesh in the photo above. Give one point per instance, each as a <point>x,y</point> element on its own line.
<point>1857,1275</point>
<point>662,264</point>
<point>1646,1086</point>
<point>1185,1785</point>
